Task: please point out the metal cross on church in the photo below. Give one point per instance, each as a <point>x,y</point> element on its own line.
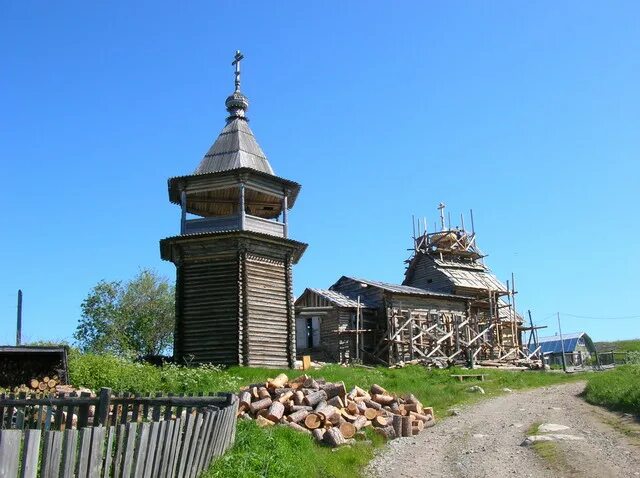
<point>236,62</point>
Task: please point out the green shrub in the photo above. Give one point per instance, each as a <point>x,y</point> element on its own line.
<point>617,389</point>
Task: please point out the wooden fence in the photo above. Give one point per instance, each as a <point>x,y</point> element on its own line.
<point>122,436</point>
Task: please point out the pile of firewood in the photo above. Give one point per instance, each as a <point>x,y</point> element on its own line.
<point>43,384</point>
<point>330,413</point>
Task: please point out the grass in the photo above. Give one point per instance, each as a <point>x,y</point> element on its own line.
<point>282,452</point>
<point>619,346</point>
<point>617,389</point>
<point>547,450</point>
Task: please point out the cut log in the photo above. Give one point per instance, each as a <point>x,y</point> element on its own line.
<point>263,422</point>
<point>428,411</point>
<point>297,408</point>
<point>263,393</point>
<point>336,402</point>
<point>406,427</point>
<point>254,392</point>
<point>371,404</point>
<point>333,437</point>
<point>299,428</point>
<point>298,416</point>
<point>315,397</point>
<point>347,430</point>
<point>418,416</point>
<point>298,397</point>
<point>276,410</point>
<point>347,416</point>
<point>34,383</point>
<point>379,422</point>
<point>352,408</point>
<point>419,424</point>
<point>378,390</point>
<point>359,422</point>
<point>244,400</point>
<point>313,421</point>
<point>318,433</point>
<point>388,433</point>
<point>370,413</point>
<point>397,425</point>
<point>42,386</point>
<point>413,407</point>
<point>361,393</point>
<point>310,383</point>
<point>260,405</point>
<point>279,381</point>
<point>415,430</point>
<point>327,411</point>
<point>285,396</point>
<point>334,389</point>
<point>429,423</point>
<point>383,399</point>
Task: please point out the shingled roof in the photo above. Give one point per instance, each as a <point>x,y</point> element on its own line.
<point>236,147</point>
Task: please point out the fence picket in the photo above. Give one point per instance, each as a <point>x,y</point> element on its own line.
<point>108,454</point>
<point>95,455</point>
<point>151,449</point>
<point>141,450</point>
<point>129,449</point>
<point>119,452</point>
<point>193,443</point>
<point>51,453</point>
<point>30,453</point>
<point>69,453</point>
<point>175,447</point>
<point>9,452</point>
<point>83,454</point>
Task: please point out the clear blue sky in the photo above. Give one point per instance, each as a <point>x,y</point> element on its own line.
<point>527,112</point>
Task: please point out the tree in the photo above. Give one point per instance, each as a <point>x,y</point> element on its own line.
<point>128,319</point>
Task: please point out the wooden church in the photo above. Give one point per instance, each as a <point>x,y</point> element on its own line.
<point>233,257</point>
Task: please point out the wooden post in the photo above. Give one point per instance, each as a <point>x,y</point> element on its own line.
<point>358,329</point>
<point>19,324</point>
<point>285,206</point>
<point>242,207</point>
<point>183,217</point>
<point>564,363</point>
<point>102,413</point>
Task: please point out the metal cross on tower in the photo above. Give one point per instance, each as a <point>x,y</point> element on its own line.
<point>441,207</point>
<point>236,62</point>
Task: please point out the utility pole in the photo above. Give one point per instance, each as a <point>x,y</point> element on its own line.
<point>564,362</point>
<point>19,325</point>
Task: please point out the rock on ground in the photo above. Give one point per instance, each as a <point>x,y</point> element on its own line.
<point>484,441</point>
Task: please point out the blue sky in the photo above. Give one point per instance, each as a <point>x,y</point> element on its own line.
<point>527,112</point>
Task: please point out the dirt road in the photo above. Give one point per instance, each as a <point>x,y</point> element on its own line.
<point>484,440</point>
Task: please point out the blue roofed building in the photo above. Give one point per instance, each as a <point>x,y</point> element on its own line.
<point>578,347</point>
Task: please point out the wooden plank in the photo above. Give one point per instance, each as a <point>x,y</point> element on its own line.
<point>120,449</point>
<point>175,447</point>
<point>108,454</point>
<point>167,442</point>
<point>184,449</point>
<point>195,442</point>
<point>141,450</point>
<point>83,454</point>
<point>9,452</point>
<point>129,449</point>
<point>203,442</point>
<point>69,453</point>
<point>51,453</point>
<point>102,410</point>
<point>83,412</point>
<point>30,453</point>
<point>151,449</point>
<point>154,470</point>
<point>94,469</point>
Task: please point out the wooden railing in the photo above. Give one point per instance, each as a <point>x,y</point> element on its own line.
<point>121,436</point>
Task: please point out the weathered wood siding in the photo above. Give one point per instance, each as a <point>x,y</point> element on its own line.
<point>207,310</point>
<point>267,316</point>
<point>424,274</point>
<point>353,289</point>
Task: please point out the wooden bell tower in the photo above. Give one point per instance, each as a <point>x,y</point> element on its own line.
<point>234,295</point>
